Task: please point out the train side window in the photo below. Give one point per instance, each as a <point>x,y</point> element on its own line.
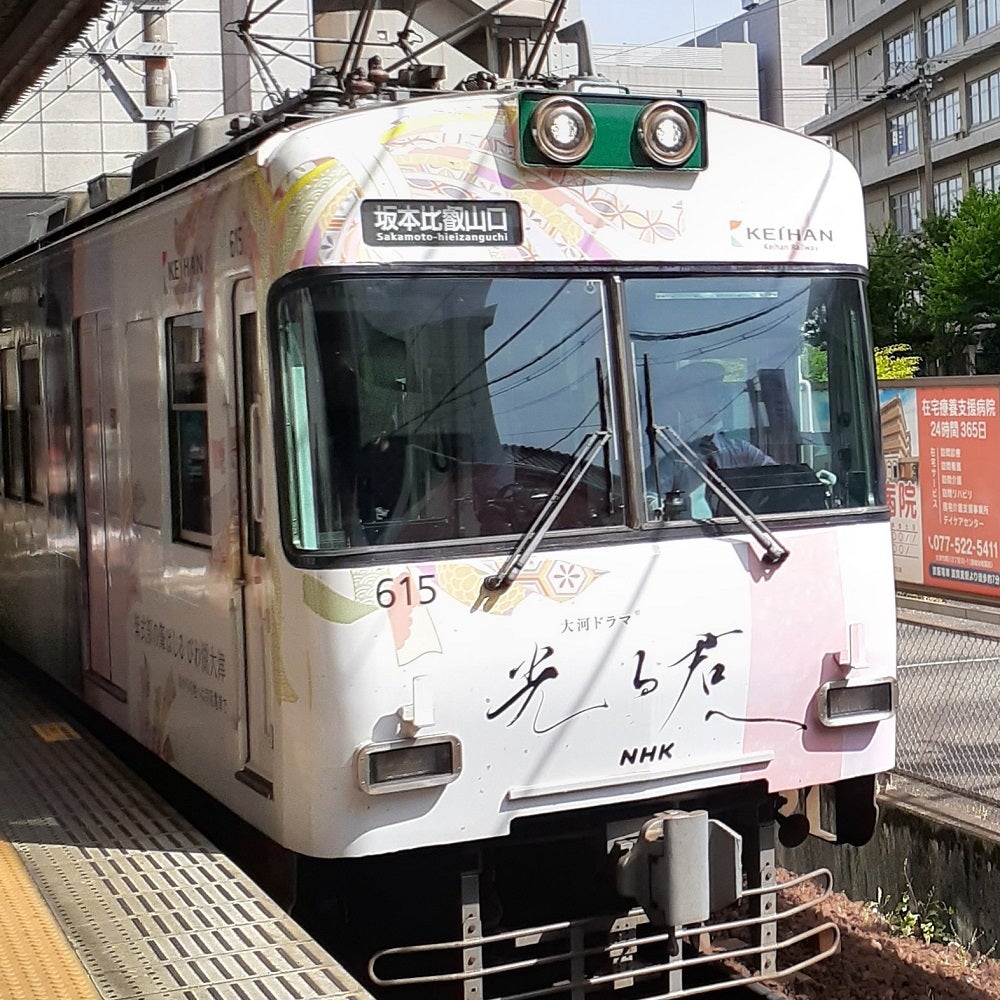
<point>251,416</point>
<point>56,365</point>
<point>191,482</point>
<point>145,422</point>
<point>35,437</point>
<point>10,430</point>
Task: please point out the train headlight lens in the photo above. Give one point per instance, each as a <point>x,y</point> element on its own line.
<point>407,764</point>
<point>844,703</point>
<point>668,133</point>
<point>563,129</point>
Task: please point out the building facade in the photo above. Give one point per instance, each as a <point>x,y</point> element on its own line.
<point>914,101</point>
<point>724,75</point>
<point>791,94</point>
<point>750,65</point>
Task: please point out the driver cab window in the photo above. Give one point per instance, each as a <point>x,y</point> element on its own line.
<point>443,408</point>
<point>761,381</point>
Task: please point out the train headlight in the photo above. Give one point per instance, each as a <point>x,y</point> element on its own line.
<point>849,703</point>
<point>668,133</point>
<point>406,764</point>
<point>611,131</point>
<point>563,129</point>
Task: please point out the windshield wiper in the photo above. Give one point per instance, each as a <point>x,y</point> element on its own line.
<point>774,552</point>
<point>583,459</point>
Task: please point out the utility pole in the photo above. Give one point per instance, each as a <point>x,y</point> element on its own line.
<point>154,33</point>
<point>921,94</point>
<point>236,93</point>
<point>154,52</point>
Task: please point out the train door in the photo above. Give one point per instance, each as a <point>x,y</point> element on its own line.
<point>102,495</point>
<point>256,608</point>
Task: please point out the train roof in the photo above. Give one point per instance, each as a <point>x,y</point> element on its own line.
<point>215,143</point>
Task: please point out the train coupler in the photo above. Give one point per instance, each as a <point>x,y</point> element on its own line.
<point>682,867</point>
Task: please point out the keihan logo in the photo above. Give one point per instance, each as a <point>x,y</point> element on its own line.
<point>776,234</point>
<point>178,268</point>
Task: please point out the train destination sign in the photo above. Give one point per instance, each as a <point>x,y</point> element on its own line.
<point>940,439</point>
<point>441,223</point>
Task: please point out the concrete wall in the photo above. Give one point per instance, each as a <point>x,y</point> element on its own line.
<point>948,848</point>
<point>802,88</point>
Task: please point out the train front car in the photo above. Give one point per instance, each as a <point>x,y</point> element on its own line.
<point>587,564</point>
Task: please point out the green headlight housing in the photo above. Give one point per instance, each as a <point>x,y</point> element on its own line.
<point>591,131</point>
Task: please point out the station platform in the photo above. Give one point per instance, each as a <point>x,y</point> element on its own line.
<point>107,892</point>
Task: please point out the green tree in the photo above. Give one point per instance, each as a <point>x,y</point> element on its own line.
<point>894,362</point>
<point>961,295</point>
<point>897,269</point>
<point>817,365</point>
<point>890,362</point>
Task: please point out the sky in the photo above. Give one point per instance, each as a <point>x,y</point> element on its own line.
<point>669,22</point>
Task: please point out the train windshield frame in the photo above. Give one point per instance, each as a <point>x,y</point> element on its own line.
<point>442,408</point>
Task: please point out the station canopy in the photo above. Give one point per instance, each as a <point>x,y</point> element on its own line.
<point>33,34</point>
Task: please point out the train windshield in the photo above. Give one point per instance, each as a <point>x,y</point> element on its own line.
<point>436,409</point>
<point>758,380</point>
<point>442,408</point>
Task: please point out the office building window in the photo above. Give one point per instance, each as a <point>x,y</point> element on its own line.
<point>945,121</point>
<point>941,32</point>
<point>947,195</point>
<point>987,178</point>
<point>984,99</point>
<point>982,14</point>
<point>900,53</point>
<point>903,133</point>
<point>904,208</point>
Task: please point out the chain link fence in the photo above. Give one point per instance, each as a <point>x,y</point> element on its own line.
<point>949,703</point>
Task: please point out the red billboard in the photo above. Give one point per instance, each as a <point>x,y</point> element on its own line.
<point>941,441</point>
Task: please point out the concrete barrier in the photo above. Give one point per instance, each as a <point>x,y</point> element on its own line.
<point>933,843</point>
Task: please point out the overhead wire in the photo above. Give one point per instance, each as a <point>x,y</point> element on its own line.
<point>797,94</point>
<point>802,94</point>
<point>791,93</point>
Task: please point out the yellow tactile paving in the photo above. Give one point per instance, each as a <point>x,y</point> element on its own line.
<point>36,961</point>
<point>55,732</point>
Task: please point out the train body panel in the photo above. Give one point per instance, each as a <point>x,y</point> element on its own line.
<point>805,210</point>
<point>621,683</point>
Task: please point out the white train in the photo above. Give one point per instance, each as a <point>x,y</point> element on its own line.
<point>480,495</point>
